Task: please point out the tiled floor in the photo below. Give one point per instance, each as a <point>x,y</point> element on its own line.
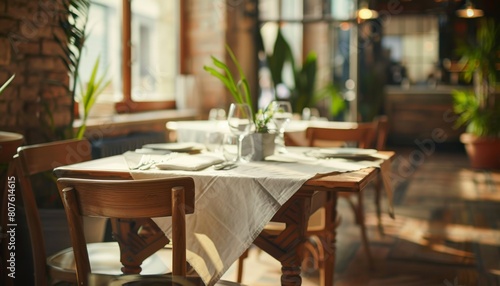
<point>446,231</point>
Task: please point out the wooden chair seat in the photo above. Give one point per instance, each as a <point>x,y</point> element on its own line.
<point>104,258</point>
<point>149,280</point>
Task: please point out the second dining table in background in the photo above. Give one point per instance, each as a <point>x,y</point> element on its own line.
<point>198,130</point>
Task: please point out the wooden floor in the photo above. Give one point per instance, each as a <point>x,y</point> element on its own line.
<point>446,230</point>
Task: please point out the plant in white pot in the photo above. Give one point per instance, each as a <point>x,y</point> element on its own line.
<point>263,136</point>
<point>479,110</point>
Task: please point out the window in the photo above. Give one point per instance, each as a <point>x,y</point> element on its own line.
<point>137,42</point>
<point>412,43</point>
<point>287,17</point>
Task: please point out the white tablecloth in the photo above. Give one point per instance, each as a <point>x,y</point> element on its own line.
<point>197,130</point>
<point>233,206</point>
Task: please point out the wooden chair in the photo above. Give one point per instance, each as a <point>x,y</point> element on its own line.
<point>35,159</point>
<point>365,135</point>
<point>126,200</point>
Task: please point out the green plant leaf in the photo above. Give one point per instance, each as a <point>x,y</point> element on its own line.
<point>242,83</point>
<point>479,111</point>
<point>90,92</point>
<point>282,53</point>
<point>240,90</point>
<point>72,19</point>
<point>4,86</point>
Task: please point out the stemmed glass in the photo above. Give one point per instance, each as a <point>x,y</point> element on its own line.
<point>240,121</point>
<point>282,114</point>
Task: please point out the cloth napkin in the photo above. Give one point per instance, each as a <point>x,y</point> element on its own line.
<point>191,162</point>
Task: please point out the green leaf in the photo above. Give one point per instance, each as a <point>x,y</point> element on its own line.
<point>89,94</point>
<point>240,90</point>
<point>282,53</point>
<point>4,86</point>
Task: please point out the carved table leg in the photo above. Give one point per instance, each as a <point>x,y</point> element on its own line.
<point>138,239</point>
<point>285,246</point>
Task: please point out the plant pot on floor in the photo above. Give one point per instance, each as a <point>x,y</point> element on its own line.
<point>483,152</point>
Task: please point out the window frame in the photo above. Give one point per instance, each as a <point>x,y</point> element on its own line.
<point>127,105</point>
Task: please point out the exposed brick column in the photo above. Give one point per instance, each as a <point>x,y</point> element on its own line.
<point>210,25</point>
<point>28,49</point>
<point>205,34</point>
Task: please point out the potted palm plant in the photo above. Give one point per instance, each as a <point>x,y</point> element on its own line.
<point>479,109</point>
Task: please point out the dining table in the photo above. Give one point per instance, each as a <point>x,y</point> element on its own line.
<point>200,130</point>
<point>233,205</point>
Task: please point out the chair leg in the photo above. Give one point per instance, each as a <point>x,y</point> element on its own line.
<point>378,191</point>
<point>241,259</point>
<point>364,237</point>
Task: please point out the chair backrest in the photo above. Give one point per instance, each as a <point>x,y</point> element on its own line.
<point>34,159</point>
<point>382,132</point>
<point>127,199</point>
<point>364,135</point>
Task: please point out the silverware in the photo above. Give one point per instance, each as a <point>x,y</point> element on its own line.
<point>146,162</point>
<point>225,166</point>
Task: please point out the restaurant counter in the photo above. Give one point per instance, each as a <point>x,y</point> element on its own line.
<point>420,113</point>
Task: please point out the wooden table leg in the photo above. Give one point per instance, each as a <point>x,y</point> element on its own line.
<point>138,239</point>
<point>285,246</point>
<point>328,240</point>
<point>324,240</point>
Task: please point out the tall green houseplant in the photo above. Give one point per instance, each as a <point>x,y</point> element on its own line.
<point>479,110</point>
<point>73,18</point>
<point>304,92</point>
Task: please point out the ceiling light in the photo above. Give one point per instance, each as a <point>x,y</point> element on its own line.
<point>469,11</point>
<point>365,13</point>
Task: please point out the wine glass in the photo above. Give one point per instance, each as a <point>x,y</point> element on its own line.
<point>282,114</point>
<point>240,121</point>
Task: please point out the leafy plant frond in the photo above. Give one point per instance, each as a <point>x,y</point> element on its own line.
<point>72,21</point>
<point>303,93</point>
<point>242,83</point>
<point>240,90</point>
<point>4,86</point>
<point>90,92</point>
<point>480,110</point>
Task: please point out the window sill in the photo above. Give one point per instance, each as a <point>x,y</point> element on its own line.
<point>124,124</point>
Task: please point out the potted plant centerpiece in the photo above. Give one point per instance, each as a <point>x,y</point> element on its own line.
<point>263,136</point>
<point>479,109</point>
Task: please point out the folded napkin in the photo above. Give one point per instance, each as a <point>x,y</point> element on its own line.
<point>190,162</point>
<point>290,157</point>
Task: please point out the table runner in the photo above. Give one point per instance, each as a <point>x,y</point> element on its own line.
<point>233,206</point>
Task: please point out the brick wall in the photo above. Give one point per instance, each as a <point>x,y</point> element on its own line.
<point>205,35</point>
<point>36,103</point>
